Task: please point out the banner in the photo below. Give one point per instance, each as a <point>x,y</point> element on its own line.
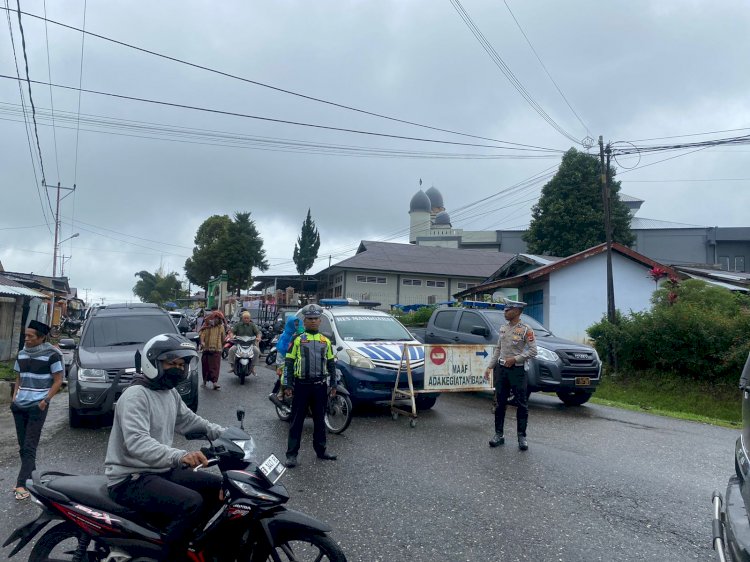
<point>454,368</point>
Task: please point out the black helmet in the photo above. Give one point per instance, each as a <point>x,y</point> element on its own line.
<point>166,347</point>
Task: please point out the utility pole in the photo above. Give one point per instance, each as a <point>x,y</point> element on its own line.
<point>605,178</point>
<point>54,250</point>
<point>87,296</point>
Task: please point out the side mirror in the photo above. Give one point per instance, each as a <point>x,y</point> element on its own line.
<point>480,331</point>
<point>67,343</point>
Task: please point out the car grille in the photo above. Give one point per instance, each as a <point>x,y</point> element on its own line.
<point>578,358</point>
<point>125,378</point>
<point>391,366</point>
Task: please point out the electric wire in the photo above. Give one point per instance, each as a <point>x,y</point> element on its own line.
<point>544,67</point>
<point>51,102</point>
<point>276,88</point>
<point>26,124</point>
<point>80,84</point>
<point>505,69</point>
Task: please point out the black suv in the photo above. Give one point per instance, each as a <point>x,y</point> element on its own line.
<point>570,369</point>
<point>110,338</point>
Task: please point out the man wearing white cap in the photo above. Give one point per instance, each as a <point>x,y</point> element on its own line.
<point>515,346</point>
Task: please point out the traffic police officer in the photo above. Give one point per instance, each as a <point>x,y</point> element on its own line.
<point>515,346</point>
<point>307,364</point>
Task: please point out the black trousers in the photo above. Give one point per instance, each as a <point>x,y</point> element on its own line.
<point>175,502</point>
<point>316,397</point>
<point>29,423</point>
<point>505,379</point>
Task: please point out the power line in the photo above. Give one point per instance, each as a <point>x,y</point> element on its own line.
<point>282,121</point>
<point>559,91</point>
<point>274,88</point>
<point>505,69</point>
<point>692,134</point>
<point>51,102</point>
<point>688,180</point>
<point>80,83</point>
<point>26,124</point>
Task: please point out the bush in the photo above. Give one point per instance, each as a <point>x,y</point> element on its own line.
<point>694,330</point>
<point>416,318</point>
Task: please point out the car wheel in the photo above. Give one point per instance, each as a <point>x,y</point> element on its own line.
<point>74,418</point>
<point>574,397</point>
<point>425,402</point>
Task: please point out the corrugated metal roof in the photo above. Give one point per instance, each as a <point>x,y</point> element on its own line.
<point>10,287</point>
<point>625,198</point>
<point>641,223</point>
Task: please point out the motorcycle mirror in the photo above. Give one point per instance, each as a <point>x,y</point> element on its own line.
<point>240,417</point>
<point>138,361</point>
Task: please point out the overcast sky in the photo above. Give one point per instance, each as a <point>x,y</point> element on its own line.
<point>630,70</point>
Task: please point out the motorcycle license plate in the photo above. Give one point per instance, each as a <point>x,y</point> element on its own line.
<point>583,381</point>
<point>272,469</point>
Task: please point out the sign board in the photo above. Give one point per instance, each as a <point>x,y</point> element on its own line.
<point>454,368</point>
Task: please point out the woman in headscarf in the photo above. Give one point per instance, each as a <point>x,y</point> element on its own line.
<point>212,334</point>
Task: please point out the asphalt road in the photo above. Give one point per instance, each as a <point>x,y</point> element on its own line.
<point>597,483</point>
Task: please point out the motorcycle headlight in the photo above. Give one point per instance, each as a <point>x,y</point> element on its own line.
<point>92,375</point>
<point>247,445</point>
<point>546,355</point>
<point>356,359</point>
<point>251,492</point>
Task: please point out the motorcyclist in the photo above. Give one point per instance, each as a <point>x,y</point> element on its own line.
<point>292,327</point>
<point>308,362</point>
<point>245,327</point>
<point>145,472</point>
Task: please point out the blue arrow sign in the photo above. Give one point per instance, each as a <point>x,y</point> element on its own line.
<point>483,353</point>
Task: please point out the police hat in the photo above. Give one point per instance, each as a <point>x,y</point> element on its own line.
<point>513,304</point>
<point>312,311</point>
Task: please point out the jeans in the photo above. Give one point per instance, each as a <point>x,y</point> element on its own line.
<point>29,422</point>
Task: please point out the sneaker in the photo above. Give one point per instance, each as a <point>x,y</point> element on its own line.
<point>276,401</point>
<point>327,457</point>
<point>522,443</point>
<point>497,440</point>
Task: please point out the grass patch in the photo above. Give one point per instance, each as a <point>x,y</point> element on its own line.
<point>6,371</point>
<point>673,396</point>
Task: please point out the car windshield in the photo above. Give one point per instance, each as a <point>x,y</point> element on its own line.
<point>371,328</point>
<point>497,317</point>
<point>125,330</point>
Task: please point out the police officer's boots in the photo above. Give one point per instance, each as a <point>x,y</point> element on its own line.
<point>498,439</point>
<point>522,443</point>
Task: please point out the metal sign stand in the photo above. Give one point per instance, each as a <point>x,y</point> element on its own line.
<point>400,395</point>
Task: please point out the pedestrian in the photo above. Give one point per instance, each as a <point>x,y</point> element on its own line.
<point>212,336</point>
<point>308,363</point>
<point>515,346</point>
<point>39,375</point>
<point>144,471</point>
<point>199,320</point>
<point>245,327</point>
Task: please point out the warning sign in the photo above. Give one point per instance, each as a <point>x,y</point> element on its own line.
<point>457,367</point>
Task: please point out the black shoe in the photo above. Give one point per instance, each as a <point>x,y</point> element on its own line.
<point>327,457</point>
<point>498,439</point>
<point>291,461</point>
<point>275,399</point>
<point>522,444</point>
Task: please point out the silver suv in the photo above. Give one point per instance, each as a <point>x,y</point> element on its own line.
<point>570,369</point>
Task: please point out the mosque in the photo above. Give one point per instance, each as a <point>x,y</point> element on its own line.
<point>666,242</point>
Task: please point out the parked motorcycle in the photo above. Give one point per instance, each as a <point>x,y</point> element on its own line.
<point>243,356</point>
<point>272,353</point>
<point>69,326</point>
<point>338,409</point>
<point>252,524</point>
<point>266,338</point>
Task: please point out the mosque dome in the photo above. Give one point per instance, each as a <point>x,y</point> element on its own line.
<point>442,219</point>
<point>420,203</point>
<point>436,198</point>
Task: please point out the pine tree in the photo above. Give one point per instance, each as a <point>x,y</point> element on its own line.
<point>307,246</point>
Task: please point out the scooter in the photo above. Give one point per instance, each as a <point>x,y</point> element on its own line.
<point>272,353</point>
<point>251,525</point>
<point>227,345</point>
<point>243,356</point>
<point>338,409</point>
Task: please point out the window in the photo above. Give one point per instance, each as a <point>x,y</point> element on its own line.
<point>444,319</point>
<point>413,282</point>
<point>371,279</point>
<point>724,262</point>
<point>337,291</point>
<point>469,320</point>
<point>462,285</point>
<point>436,283</point>
<point>739,263</point>
<point>338,279</point>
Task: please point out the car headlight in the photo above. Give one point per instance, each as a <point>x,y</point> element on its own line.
<point>356,359</point>
<point>546,355</point>
<point>92,375</point>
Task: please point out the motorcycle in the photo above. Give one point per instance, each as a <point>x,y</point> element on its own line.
<point>252,524</point>
<point>69,326</point>
<point>243,356</point>
<point>266,338</point>
<point>227,346</point>
<point>271,355</point>
<point>338,414</point>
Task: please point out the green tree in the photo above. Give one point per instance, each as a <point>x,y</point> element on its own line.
<point>307,246</point>
<point>243,251</point>
<point>158,287</point>
<point>223,244</point>
<point>569,216</point>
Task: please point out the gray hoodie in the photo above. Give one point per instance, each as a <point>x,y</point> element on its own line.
<point>143,431</point>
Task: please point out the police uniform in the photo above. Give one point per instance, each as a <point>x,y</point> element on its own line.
<point>515,341</point>
<point>308,363</point>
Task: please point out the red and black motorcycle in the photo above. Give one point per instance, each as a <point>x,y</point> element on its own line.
<point>252,524</point>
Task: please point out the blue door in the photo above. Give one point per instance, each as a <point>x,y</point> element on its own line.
<point>535,305</point>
